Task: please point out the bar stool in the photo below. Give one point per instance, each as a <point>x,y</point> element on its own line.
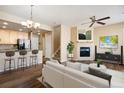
<point>9,61</point>
<point>22,60</point>
<point>34,58</point>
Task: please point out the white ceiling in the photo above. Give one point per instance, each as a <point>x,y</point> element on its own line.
<point>66,14</point>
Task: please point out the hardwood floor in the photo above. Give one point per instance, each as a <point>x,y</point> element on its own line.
<point>22,79</point>
<point>115,66</point>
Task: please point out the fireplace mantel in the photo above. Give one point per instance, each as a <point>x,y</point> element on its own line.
<point>84,41</point>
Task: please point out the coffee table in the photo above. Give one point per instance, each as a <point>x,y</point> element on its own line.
<point>101,68</point>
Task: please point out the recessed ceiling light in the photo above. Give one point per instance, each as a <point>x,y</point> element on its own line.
<point>3,26</point>
<point>20,29</point>
<point>5,23</point>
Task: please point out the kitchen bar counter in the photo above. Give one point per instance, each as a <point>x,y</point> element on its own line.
<point>16,50</point>
<point>29,53</point>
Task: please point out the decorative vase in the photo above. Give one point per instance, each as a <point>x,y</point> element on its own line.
<point>98,65</point>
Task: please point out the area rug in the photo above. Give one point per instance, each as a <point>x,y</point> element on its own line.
<point>117,80</point>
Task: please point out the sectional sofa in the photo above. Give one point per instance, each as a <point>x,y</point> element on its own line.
<point>70,76</point>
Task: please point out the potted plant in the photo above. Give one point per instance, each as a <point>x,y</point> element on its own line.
<point>70,48</point>
<point>98,62</point>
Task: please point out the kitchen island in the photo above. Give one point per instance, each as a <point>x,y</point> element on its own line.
<point>29,53</point>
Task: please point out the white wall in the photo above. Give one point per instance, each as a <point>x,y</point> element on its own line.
<point>65,39</point>
<point>48,45</point>
<point>34,41</point>
<point>115,29</point>
<point>123,44</point>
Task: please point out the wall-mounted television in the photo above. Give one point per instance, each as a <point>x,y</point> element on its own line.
<point>109,41</point>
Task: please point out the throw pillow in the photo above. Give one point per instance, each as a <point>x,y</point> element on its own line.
<point>55,61</point>
<point>76,66</point>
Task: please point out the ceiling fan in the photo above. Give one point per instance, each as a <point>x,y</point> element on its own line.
<point>94,20</point>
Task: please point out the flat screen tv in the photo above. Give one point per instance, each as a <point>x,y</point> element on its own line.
<point>109,41</point>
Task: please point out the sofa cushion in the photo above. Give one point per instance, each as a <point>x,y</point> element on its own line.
<point>76,66</point>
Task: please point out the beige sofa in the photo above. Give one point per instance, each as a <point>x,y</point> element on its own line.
<point>60,76</point>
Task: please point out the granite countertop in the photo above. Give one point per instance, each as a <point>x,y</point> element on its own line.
<point>16,50</point>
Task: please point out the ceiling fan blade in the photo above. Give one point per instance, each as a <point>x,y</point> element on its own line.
<point>103,18</point>
<point>91,24</point>
<point>101,23</point>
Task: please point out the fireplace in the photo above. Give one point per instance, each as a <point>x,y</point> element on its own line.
<point>84,51</point>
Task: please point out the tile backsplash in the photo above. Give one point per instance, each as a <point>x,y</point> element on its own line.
<point>4,47</point>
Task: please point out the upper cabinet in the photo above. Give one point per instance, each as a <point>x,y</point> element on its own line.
<point>13,37</point>
<point>4,37</point>
<point>10,37</point>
